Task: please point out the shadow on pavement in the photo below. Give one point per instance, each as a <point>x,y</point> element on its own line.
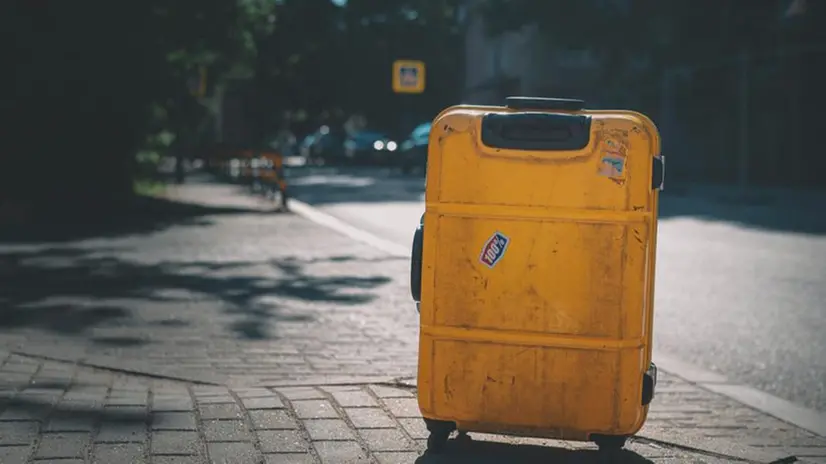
<point>145,216</point>
<point>786,211</point>
<point>770,209</point>
<point>488,452</point>
<point>71,291</point>
<point>69,415</point>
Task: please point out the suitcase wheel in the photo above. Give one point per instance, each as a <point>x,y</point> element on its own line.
<point>439,434</point>
<point>609,443</point>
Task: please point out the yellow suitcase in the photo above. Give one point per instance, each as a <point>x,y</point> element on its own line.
<point>533,270</point>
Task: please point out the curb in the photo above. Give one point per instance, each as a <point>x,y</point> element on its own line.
<point>319,217</point>
<point>808,419</point>
<point>805,418</point>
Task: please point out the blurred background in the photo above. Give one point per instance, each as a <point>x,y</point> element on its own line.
<point>143,145</point>
<point>103,92</point>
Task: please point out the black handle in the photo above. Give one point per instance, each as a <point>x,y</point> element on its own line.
<point>416,262</point>
<point>658,173</point>
<point>539,103</point>
<point>536,131</point>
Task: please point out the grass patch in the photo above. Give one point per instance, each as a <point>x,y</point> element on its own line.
<point>149,187</point>
<point>147,182</point>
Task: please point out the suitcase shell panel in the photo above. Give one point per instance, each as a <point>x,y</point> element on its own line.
<point>537,276</point>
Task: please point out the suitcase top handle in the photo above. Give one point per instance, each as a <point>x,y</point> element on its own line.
<point>533,130</point>
<point>538,103</point>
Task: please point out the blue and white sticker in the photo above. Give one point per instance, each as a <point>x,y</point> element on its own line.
<point>494,249</point>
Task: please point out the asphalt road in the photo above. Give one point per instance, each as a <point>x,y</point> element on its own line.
<point>741,287</point>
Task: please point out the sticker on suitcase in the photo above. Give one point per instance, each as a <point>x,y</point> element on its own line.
<point>494,249</point>
<point>612,165</point>
<point>614,152</point>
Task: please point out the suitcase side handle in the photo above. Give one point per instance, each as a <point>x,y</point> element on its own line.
<point>416,262</point>
<point>536,131</point>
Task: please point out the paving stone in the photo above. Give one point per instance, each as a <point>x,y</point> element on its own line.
<point>233,453</point>
<point>300,393</point>
<point>314,409</point>
<point>272,420</point>
<point>368,418</point>
<point>814,460</point>
<point>175,442</point>
<point>389,392</point>
<point>121,432</point>
<point>807,451</point>
<point>71,424</point>
<point>177,460</point>
<point>132,400</point>
<point>173,403</point>
<point>403,407</point>
<point>122,453</point>
<point>262,403</point>
<point>62,445</point>
<point>15,454</point>
<point>282,441</point>
<point>220,399</point>
<point>23,368</point>
<point>289,458</point>
<point>337,452</point>
<point>253,393</point>
<point>415,427</point>
<point>32,413</point>
<point>18,433</point>
<point>220,411</point>
<point>341,388</point>
<point>386,440</point>
<point>210,390</point>
<point>354,399</point>
<point>173,421</point>
<point>226,430</point>
<point>328,429</point>
<point>126,413</point>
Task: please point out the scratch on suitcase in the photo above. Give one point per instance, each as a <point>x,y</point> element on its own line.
<point>454,124</point>
<point>448,390</point>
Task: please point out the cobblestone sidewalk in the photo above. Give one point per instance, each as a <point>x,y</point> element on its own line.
<point>237,295</point>
<point>59,412</point>
<point>270,325</point>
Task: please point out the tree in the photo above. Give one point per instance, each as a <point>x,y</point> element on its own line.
<point>87,75</point>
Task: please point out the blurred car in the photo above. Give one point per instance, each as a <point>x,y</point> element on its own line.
<point>368,147</point>
<point>413,151</point>
<point>327,146</point>
<point>305,145</point>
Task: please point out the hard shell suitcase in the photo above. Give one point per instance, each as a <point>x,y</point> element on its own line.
<point>533,268</point>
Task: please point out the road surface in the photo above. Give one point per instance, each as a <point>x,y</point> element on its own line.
<point>741,288</point>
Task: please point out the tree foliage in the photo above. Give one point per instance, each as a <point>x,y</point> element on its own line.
<point>93,79</point>
<point>676,31</point>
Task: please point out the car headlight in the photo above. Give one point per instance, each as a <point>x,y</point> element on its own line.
<point>391,146</point>
<point>378,145</point>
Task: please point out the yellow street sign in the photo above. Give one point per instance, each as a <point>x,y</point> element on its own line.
<point>408,76</point>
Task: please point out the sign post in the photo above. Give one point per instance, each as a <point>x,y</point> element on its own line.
<point>408,78</point>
